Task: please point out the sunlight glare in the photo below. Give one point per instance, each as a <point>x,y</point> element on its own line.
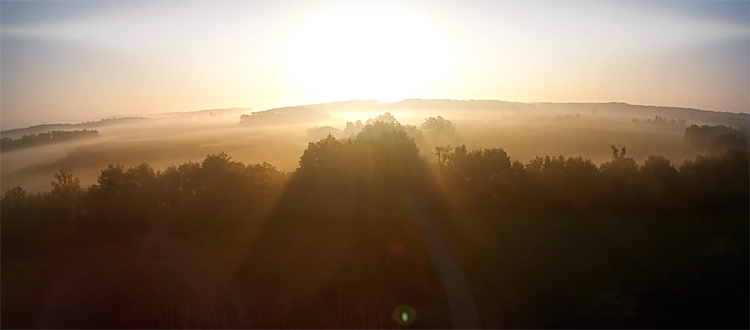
<point>357,51</point>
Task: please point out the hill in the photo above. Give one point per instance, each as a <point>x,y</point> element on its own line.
<point>44,128</point>
<point>34,140</point>
<point>447,104</point>
<point>316,112</point>
<point>619,109</point>
<point>203,113</point>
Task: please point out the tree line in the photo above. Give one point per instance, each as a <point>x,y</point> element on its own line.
<point>560,185</point>
<point>35,140</point>
<point>716,139</point>
<point>185,198</point>
<point>553,242</point>
<point>660,123</point>
<point>44,128</point>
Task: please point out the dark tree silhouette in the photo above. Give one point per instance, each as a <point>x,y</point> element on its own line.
<point>35,140</point>
<point>555,242</point>
<point>384,118</point>
<point>439,126</point>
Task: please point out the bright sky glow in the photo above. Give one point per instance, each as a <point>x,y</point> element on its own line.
<point>365,51</point>
<point>72,61</point>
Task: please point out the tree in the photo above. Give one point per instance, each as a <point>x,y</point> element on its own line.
<point>384,118</point>
<point>65,184</point>
<point>657,166</point>
<point>442,154</point>
<point>321,154</point>
<point>113,181</point>
<point>487,164</point>
<point>142,176</point>
<point>439,127</point>
<point>15,195</point>
<point>352,129</point>
<point>620,165</point>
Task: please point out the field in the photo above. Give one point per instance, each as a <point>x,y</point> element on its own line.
<point>166,141</point>
<point>163,143</point>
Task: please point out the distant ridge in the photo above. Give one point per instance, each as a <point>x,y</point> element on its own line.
<point>618,109</point>
<point>691,115</point>
<point>44,128</point>
<point>206,112</point>
<point>449,104</point>
<point>319,110</point>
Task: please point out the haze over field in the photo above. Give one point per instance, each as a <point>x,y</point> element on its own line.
<point>525,130</point>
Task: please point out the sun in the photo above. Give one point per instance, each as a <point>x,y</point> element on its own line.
<point>364,51</point>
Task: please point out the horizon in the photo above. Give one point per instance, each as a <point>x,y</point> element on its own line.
<point>4,128</point>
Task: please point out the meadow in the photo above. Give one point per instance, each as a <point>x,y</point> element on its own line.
<point>560,129</point>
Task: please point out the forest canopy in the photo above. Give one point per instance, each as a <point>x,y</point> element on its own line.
<point>486,176</point>
<point>554,242</point>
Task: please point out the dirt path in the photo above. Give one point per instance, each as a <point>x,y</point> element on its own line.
<point>464,314</point>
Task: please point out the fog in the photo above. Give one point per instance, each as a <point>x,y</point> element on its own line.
<point>585,130</point>
<point>161,143</point>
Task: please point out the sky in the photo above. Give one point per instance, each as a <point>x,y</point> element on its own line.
<point>69,61</point>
